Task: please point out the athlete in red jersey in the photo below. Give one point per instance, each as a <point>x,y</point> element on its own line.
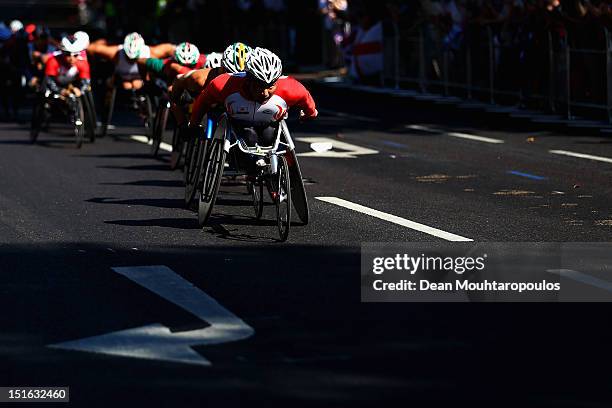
<point>252,104</point>
<point>66,72</point>
<point>256,99</point>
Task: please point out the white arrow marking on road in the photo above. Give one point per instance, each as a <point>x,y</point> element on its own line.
<point>157,342</point>
<point>352,151</point>
<point>143,139</point>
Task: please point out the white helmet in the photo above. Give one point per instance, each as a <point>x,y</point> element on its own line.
<point>213,60</point>
<point>186,54</point>
<point>235,57</point>
<point>133,45</point>
<point>16,25</point>
<point>71,44</point>
<point>264,65</point>
<point>83,37</point>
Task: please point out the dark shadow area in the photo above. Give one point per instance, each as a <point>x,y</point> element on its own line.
<point>144,167</point>
<point>149,183</point>
<point>315,343</point>
<point>592,142</point>
<point>148,202</point>
<point>176,223</point>
<point>388,113</point>
<point>232,202</point>
<point>143,156</point>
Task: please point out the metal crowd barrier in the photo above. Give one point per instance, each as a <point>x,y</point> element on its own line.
<point>480,66</point>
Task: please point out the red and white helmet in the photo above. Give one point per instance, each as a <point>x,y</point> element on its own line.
<point>72,44</point>
<point>186,54</point>
<point>133,45</point>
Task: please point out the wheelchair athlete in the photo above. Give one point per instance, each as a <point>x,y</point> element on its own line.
<point>257,100</point>
<point>125,56</point>
<point>193,82</point>
<point>186,57</point>
<point>66,72</point>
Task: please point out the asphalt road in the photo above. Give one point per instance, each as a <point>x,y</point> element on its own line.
<point>68,217</point>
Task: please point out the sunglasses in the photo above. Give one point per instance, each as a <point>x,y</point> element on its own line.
<point>72,54</point>
<point>259,84</point>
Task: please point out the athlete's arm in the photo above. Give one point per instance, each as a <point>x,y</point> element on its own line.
<point>162,50</point>
<point>51,72</point>
<point>299,96</point>
<point>210,96</point>
<point>84,74</point>
<point>101,49</point>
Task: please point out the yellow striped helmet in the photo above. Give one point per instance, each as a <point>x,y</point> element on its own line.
<point>235,57</point>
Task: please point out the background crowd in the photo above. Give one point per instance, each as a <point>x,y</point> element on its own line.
<point>518,46</point>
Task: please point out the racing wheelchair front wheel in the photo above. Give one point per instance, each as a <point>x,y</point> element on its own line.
<point>38,117</point>
<point>282,198</point>
<point>90,115</point>
<point>214,164</point>
<point>159,126</point>
<point>256,190</point>
<point>194,161</point>
<point>78,119</point>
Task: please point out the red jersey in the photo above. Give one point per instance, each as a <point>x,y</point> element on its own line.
<point>63,72</point>
<point>227,89</point>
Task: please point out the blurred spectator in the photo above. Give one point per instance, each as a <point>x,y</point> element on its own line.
<point>365,44</point>
<point>335,27</point>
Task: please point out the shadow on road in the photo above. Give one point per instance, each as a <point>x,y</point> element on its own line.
<point>148,202</point>
<point>149,183</point>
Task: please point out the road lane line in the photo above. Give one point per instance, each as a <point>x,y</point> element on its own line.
<point>474,137</point>
<point>156,341</point>
<point>582,278</point>
<point>394,219</point>
<point>145,140</point>
<point>422,128</point>
<point>581,155</point>
<point>455,134</point>
<point>527,175</point>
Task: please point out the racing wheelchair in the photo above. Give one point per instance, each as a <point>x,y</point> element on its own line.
<point>79,111</point>
<point>164,125</point>
<point>140,101</point>
<point>274,168</point>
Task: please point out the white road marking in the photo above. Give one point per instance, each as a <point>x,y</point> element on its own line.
<point>352,151</point>
<point>581,155</point>
<point>455,134</point>
<point>395,219</point>
<point>157,342</point>
<point>422,128</point>
<point>583,278</point>
<point>143,139</point>
<point>474,137</point>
